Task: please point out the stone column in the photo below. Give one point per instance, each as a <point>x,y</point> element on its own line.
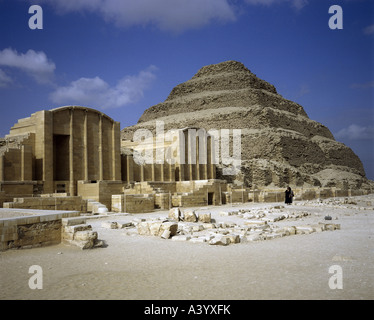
<point>101,168</point>
<point>197,158</point>
<point>46,145</point>
<point>141,172</point>
<point>71,154</point>
<point>113,152</point>
<point>209,157</point>
<point>85,141</point>
<point>2,174</point>
<point>22,163</point>
<point>153,171</point>
<point>162,177</point>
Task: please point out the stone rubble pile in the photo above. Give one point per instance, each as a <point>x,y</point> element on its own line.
<point>197,227</point>
<point>76,232</point>
<point>339,203</point>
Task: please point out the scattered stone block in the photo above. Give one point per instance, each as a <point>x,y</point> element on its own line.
<point>254,237</point>
<point>143,228</point>
<point>198,240</point>
<point>181,238</point>
<point>255,222</point>
<point>290,230</point>
<point>205,217</point>
<point>304,229</point>
<point>166,234</point>
<point>109,224</point>
<point>85,235</point>
<point>331,226</point>
<point>73,221</point>
<point>197,228</point>
<point>169,226</point>
<point>122,225</point>
<point>220,241</point>
<point>209,226</point>
<point>175,214</point>
<point>189,216</point>
<point>234,238</point>
<point>154,228</point>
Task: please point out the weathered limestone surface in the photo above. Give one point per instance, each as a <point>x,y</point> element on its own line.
<point>76,232</point>
<point>280,145</point>
<point>30,229</point>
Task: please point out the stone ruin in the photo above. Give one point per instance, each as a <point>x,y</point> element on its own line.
<point>198,227</point>
<point>280,145</point>
<point>76,158</point>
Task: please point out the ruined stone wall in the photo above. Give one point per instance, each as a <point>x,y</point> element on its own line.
<point>32,231</point>
<point>48,203</point>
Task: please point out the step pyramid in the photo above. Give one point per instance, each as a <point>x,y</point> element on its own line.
<point>280,144</point>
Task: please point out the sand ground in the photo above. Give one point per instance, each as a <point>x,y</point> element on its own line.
<point>146,267</point>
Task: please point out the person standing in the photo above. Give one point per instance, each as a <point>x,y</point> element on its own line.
<point>288,195</point>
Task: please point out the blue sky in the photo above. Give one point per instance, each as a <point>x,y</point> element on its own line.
<point>122,56</point>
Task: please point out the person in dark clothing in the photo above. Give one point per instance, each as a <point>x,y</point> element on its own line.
<point>288,195</point>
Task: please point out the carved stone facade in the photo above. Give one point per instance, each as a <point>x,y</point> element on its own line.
<point>52,150</point>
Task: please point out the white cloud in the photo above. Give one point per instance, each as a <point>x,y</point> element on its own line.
<point>171,15</point>
<point>298,4</point>
<point>5,80</point>
<point>356,132</point>
<point>97,93</point>
<point>35,64</point>
<point>369,30</point>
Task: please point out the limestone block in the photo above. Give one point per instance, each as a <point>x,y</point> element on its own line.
<point>197,227</point>
<point>204,217</point>
<point>78,227</point>
<point>318,228</point>
<point>234,238</point>
<point>181,238</point>
<point>291,230</point>
<point>169,226</point>
<point>209,226</point>
<point>88,244</point>
<point>85,235</point>
<point>331,226</point>
<point>166,234</point>
<point>271,236</point>
<point>175,214</point>
<point>198,240</point>
<point>154,228</point>
<point>220,240</point>
<point>121,225</point>
<point>304,229</point>
<point>109,224</point>
<point>189,216</point>
<point>143,228</point>
<point>73,221</point>
<point>254,222</point>
<point>254,237</point>
<point>223,231</point>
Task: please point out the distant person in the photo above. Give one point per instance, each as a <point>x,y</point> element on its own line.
<point>289,195</point>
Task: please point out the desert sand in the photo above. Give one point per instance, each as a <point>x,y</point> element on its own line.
<point>137,267</point>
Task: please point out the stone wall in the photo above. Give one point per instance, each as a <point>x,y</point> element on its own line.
<point>49,203</point>
<point>133,203</point>
<point>32,230</point>
<point>100,191</point>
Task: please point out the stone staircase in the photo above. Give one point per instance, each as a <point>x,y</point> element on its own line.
<point>96,207</point>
